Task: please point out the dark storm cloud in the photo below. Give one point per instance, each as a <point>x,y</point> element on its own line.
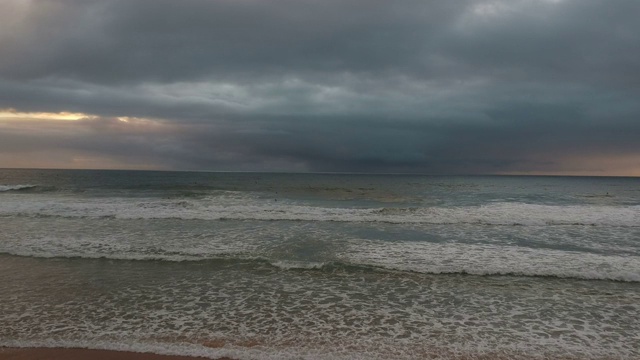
<point>355,85</point>
<point>167,40</point>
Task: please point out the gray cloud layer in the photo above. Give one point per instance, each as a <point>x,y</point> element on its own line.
<point>349,85</point>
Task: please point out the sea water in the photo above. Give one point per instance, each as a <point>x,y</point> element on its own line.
<point>321,266</point>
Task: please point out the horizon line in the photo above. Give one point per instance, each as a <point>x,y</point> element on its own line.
<point>321,172</point>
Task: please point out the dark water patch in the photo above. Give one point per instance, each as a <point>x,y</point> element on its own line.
<point>334,268</point>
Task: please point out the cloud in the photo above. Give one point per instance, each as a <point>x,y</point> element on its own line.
<point>405,86</point>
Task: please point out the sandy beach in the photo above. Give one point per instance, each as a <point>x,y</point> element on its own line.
<point>81,354</point>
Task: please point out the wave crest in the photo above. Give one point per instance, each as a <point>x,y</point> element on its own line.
<point>345,267</point>
<point>16,187</point>
<point>501,214</point>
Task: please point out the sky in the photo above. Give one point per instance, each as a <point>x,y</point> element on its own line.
<point>404,86</point>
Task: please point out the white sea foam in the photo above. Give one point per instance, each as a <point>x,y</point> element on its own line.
<point>419,257</point>
<point>482,259</point>
<point>293,265</point>
<point>225,208</point>
<point>343,282</point>
<point>297,316</point>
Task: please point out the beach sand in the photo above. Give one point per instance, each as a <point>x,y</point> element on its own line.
<point>82,354</point>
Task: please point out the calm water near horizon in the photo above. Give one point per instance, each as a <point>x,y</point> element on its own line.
<point>321,266</point>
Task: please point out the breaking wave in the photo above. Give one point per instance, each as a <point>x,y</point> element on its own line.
<point>504,213</point>
<point>15,187</point>
<point>523,269</point>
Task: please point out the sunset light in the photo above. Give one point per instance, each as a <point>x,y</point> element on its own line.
<point>12,114</point>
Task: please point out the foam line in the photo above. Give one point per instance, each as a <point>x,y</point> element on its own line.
<point>582,267</point>
<point>499,214</point>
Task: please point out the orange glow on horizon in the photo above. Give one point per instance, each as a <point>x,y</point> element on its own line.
<point>12,114</point>
<point>589,165</point>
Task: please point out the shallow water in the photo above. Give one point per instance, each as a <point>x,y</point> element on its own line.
<point>321,266</point>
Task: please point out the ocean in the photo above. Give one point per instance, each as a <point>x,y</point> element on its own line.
<point>321,266</point>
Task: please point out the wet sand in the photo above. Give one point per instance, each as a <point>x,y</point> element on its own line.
<point>82,354</point>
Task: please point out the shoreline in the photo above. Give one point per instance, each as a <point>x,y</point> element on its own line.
<point>57,353</point>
